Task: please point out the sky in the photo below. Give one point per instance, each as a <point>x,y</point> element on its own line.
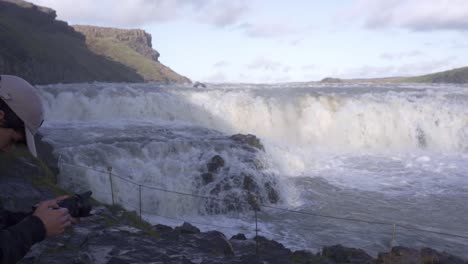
<point>269,41</point>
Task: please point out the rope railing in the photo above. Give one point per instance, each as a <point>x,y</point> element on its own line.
<point>201,223</point>
<point>256,230</point>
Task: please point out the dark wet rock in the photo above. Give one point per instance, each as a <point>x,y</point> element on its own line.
<point>207,178</point>
<point>273,251</point>
<point>253,202</point>
<point>249,184</point>
<point>307,257</point>
<point>187,228</point>
<point>248,139</point>
<point>162,229</point>
<point>340,254</point>
<point>425,255</point>
<point>273,195</point>
<point>421,138</point>
<point>250,196</point>
<point>199,85</point>
<point>242,190</point>
<point>217,243</point>
<point>431,256</point>
<point>239,236</point>
<point>215,164</point>
<point>399,255</point>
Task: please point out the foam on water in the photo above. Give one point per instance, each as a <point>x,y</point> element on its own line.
<point>383,152</point>
<point>344,119</point>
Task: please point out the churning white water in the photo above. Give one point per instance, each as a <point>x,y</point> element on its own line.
<point>395,154</point>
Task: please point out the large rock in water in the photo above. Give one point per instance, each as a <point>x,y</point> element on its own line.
<point>249,139</point>
<point>239,190</point>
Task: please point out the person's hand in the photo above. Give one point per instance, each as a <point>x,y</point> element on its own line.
<point>55,220</point>
<point>73,219</point>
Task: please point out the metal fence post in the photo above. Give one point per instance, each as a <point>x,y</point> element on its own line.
<point>109,169</point>
<point>139,190</point>
<point>256,236</point>
<point>59,167</point>
<point>393,242</point>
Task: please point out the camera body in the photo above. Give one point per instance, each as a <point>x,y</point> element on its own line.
<point>79,205</point>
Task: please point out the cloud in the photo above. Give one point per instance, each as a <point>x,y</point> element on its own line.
<point>223,13</point>
<point>415,15</point>
<point>287,69</point>
<point>136,13</point>
<point>456,44</point>
<point>268,30</point>
<point>216,77</point>
<point>263,78</point>
<point>221,64</point>
<point>262,63</point>
<point>308,67</point>
<point>400,55</point>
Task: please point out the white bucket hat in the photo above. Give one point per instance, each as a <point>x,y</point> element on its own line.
<point>24,100</point>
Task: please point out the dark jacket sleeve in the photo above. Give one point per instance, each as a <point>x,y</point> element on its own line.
<point>16,240</point>
<point>12,218</point>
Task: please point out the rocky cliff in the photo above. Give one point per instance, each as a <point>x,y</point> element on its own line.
<point>132,48</point>
<point>137,39</point>
<point>41,49</point>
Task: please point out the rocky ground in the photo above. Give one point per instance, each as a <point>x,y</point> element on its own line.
<point>114,236</point>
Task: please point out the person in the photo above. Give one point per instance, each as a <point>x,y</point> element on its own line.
<point>21,115</point>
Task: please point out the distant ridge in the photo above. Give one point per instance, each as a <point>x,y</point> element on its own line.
<point>43,50</point>
<point>459,75</point>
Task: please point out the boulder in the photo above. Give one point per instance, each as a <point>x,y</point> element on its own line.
<point>215,164</point>
<point>217,243</point>
<point>187,228</point>
<point>199,84</point>
<point>431,256</point>
<point>400,255</point>
<point>305,257</point>
<point>272,193</point>
<point>207,178</point>
<point>406,255</point>
<point>248,139</point>
<point>239,236</point>
<point>341,254</point>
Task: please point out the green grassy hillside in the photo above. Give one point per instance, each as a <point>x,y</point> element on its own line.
<point>121,51</point>
<point>459,75</point>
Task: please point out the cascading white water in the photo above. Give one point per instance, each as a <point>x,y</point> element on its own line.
<point>344,120</point>
<point>361,150</point>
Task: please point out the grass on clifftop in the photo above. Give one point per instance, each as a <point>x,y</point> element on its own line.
<point>118,51</point>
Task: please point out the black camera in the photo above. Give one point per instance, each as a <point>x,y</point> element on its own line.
<point>79,205</point>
